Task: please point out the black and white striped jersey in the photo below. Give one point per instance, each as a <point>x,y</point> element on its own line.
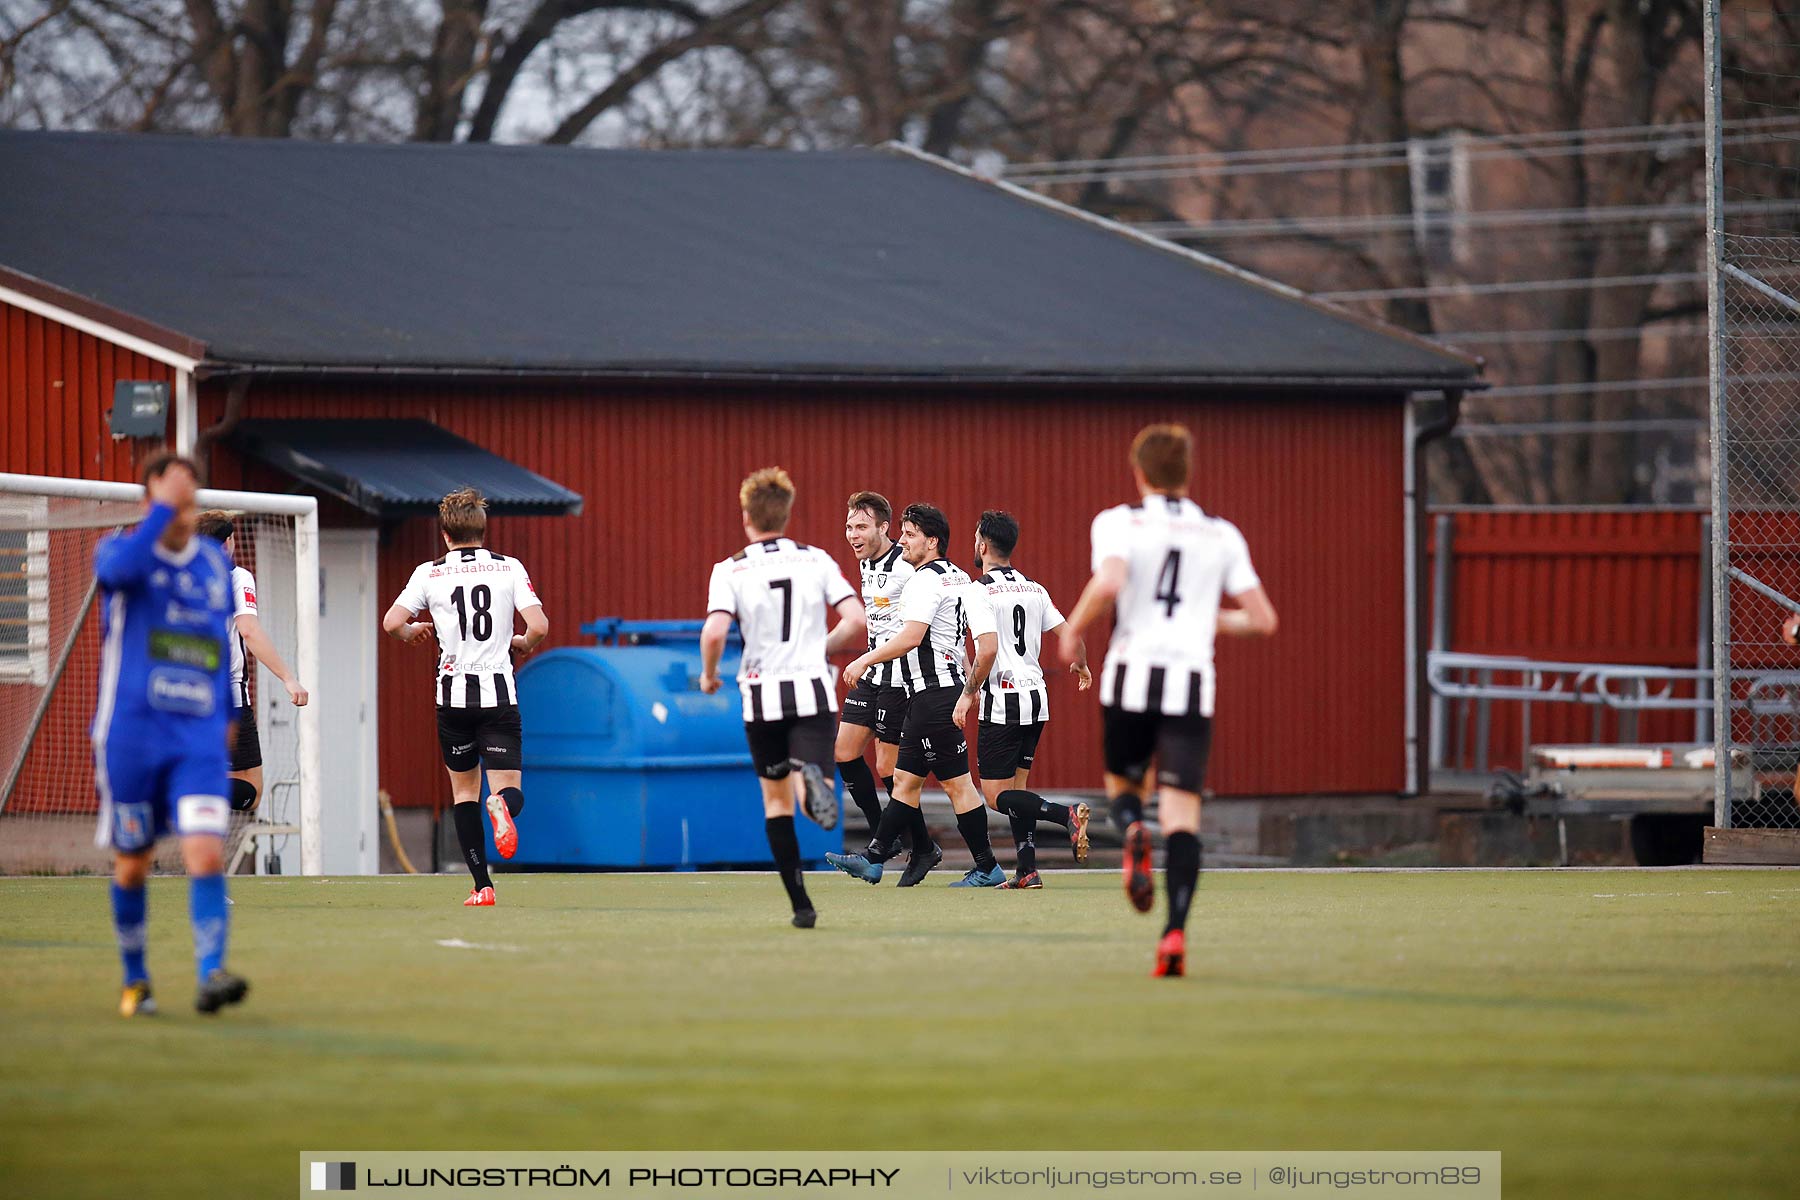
<point>1179,563</point>
<point>243,600</point>
<point>472,594</point>
<point>934,598</point>
<point>883,580</point>
<point>780,591</point>
<point>1015,693</point>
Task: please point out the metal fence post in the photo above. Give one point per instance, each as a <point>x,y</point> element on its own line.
<point>1715,396</point>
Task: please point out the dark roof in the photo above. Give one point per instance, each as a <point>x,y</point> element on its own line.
<point>398,468</point>
<point>867,263</point>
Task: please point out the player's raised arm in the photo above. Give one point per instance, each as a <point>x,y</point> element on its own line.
<point>125,559</point>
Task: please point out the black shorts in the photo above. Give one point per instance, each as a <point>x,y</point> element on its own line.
<point>1002,751</point>
<point>489,736</point>
<point>930,742</point>
<point>1180,746</point>
<point>246,751</point>
<point>882,709</point>
<point>776,745</point>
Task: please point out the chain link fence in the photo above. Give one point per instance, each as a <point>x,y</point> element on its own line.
<point>1753,59</point>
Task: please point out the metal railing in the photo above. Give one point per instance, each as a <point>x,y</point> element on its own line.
<point>1621,688</point>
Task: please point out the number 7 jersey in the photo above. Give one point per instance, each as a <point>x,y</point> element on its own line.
<point>472,594</point>
<point>1180,562</point>
<point>780,591</point>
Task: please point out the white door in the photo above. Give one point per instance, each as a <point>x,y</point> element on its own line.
<point>349,615</point>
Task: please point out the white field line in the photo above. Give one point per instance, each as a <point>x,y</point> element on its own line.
<point>459,944</point>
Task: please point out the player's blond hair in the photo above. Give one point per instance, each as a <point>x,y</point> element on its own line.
<point>1165,454</point>
<point>767,497</point>
<point>463,515</point>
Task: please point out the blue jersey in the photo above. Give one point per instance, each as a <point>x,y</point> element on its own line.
<point>165,662</point>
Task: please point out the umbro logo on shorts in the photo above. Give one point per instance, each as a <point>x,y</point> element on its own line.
<point>493,749</point>
<point>463,749</point>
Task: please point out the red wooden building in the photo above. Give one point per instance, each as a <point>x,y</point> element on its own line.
<point>644,329</point>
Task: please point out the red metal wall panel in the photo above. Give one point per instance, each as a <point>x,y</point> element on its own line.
<point>1619,586</point>
<point>56,386</point>
<point>1315,484</point>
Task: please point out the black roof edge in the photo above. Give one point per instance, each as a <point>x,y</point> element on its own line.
<point>43,291</point>
<point>1423,383</point>
<point>1475,362</point>
<point>351,490</point>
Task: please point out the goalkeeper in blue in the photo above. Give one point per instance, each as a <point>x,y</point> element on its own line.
<point>161,727</point>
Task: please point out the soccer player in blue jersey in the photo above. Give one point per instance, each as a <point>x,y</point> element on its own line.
<point>162,725</point>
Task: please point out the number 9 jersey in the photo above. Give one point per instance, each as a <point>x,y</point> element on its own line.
<point>1179,563</point>
<point>472,594</point>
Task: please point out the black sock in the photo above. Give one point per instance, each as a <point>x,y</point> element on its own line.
<point>1016,802</point>
<point>515,800</point>
<point>918,831</point>
<point>1181,873</point>
<point>895,817</point>
<point>1025,838</point>
<point>243,795</point>
<point>914,834</point>
<point>1056,814</point>
<point>787,859</point>
<point>973,827</point>
<point>469,834</point>
<point>860,782</point>
<point>1127,810</point>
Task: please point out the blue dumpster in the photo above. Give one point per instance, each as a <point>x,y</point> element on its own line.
<point>629,765</point>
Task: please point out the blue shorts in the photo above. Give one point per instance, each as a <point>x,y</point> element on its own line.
<point>148,789</point>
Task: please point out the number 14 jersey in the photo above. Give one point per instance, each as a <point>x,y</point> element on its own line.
<point>1180,562</point>
<point>472,595</point>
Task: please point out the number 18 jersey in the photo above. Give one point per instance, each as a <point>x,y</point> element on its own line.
<point>472,594</point>
<point>1180,562</point>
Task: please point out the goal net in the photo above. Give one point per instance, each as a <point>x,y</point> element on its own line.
<point>50,673</point>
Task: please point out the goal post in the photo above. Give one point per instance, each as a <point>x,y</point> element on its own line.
<point>49,655</point>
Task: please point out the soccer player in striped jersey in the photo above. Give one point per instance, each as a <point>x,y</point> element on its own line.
<point>876,706</point>
<point>249,642</point>
<point>779,592</point>
<point>929,650</point>
<point>1015,703</point>
<point>1165,567</point>
<point>470,597</point>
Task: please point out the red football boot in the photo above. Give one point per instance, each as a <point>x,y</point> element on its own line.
<point>506,834</point>
<point>480,898</point>
<point>1140,886</point>
<point>1171,956</point>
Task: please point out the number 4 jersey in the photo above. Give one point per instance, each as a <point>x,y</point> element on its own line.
<point>472,595</point>
<point>1180,563</point>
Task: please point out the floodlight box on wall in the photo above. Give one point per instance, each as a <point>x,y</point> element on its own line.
<point>139,409</point>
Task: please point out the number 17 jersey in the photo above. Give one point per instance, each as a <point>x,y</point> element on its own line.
<point>472,594</point>
<point>1180,562</point>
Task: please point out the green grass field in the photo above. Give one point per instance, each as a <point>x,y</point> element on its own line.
<point>1622,1033</point>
